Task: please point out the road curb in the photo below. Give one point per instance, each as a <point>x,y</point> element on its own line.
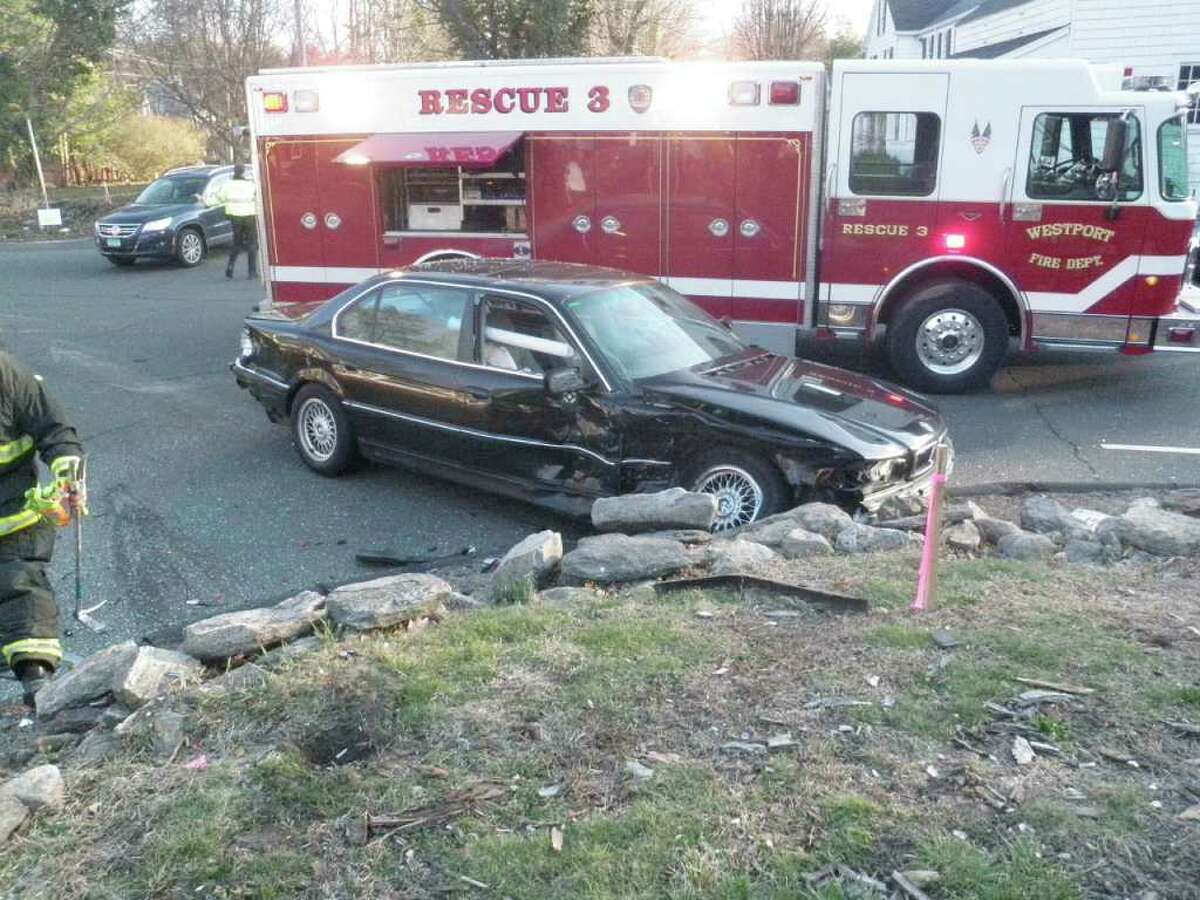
<point>1066,487</point>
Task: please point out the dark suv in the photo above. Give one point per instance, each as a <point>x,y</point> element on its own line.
<point>168,220</point>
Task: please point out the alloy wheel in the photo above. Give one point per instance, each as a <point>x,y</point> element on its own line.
<point>317,431</point>
<point>739,496</point>
<point>191,247</point>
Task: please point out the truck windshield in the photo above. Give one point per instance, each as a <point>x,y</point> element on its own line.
<point>647,329</point>
<point>166,191</point>
<point>1173,160</point>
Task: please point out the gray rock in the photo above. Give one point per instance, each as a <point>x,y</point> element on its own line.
<point>95,748</point>
<point>566,596</point>
<point>673,508</point>
<point>289,651</point>
<point>1044,515</point>
<point>1160,531</point>
<point>859,538</point>
<point>964,537</point>
<point>900,506</point>
<point>386,602</point>
<point>1026,547</point>
<point>1085,552</point>
<point>1090,519</point>
<point>91,679</point>
<point>943,639</point>
<point>770,532</point>
<point>688,536</point>
<point>1185,501</point>
<point>637,770</point>
<point>993,530</point>
<point>801,544</point>
<point>251,630</point>
<point>236,681</point>
<point>824,519</point>
<point>12,813</point>
<point>168,728</point>
<point>532,559</point>
<point>73,720</point>
<point>40,786</point>
<point>151,671</point>
<point>611,558</point>
<point>737,557</point>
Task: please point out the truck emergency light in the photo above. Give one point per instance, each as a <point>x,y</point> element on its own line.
<point>785,93</point>
<point>274,101</point>
<point>744,93</point>
<point>307,101</point>
<point>956,241</point>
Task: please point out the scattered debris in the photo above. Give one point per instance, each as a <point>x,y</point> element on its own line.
<point>834,703</point>
<point>665,758</point>
<point>1191,814</point>
<point>778,742</point>
<point>556,839</point>
<point>910,888</point>
<point>944,639</point>
<point>637,770</point>
<point>550,790</point>
<point>744,748</point>
<point>197,763</point>
<point>361,829</point>
<point>838,873</point>
<point>1038,697</point>
<point>817,599</point>
<point>1022,752</point>
<point>1184,728</point>
<point>1054,686</point>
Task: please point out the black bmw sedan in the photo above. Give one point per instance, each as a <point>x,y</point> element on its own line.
<point>558,383</point>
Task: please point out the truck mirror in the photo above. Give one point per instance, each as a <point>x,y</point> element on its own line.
<point>1114,145</point>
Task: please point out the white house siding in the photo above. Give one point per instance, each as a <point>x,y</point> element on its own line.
<point>1153,37</point>
<point>1054,46</point>
<point>1028,18</point>
<point>876,44</point>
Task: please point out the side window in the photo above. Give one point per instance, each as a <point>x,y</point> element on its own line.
<point>357,321</point>
<point>214,185</point>
<point>421,318</point>
<point>894,154</point>
<point>523,337</point>
<point>1067,153</point>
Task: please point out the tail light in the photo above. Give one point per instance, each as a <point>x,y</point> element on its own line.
<point>785,93</point>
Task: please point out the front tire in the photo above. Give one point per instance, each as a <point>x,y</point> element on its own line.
<point>190,248</point>
<point>321,431</point>
<point>949,338</point>
<point>747,487</point>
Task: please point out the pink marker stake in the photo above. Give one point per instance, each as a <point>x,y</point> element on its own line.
<point>927,575</point>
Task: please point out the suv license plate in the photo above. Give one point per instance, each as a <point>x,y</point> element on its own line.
<point>113,242</point>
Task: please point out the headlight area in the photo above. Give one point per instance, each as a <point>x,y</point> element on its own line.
<point>832,476</point>
<point>246,346</point>
<point>868,474</point>
<point>156,225</point>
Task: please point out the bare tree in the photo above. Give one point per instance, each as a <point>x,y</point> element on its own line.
<point>644,28</point>
<point>780,29</point>
<point>381,31</point>
<point>200,53</point>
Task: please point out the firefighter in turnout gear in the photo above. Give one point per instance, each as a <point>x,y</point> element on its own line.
<point>32,424</point>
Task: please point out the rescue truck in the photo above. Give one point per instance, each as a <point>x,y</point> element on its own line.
<point>953,207</point>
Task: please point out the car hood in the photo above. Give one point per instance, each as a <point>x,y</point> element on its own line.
<point>137,214</point>
<point>871,417</point>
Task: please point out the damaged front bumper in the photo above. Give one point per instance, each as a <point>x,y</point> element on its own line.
<point>918,485</point>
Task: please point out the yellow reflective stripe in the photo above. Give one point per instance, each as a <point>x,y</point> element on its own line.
<point>14,450</point>
<point>46,648</point>
<point>18,521</point>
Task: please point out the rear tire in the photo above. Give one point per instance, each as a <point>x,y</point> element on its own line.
<point>321,431</point>
<point>948,338</point>
<point>747,487</point>
<point>122,261</point>
<point>190,248</point>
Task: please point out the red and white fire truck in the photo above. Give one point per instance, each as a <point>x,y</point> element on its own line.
<point>961,204</point>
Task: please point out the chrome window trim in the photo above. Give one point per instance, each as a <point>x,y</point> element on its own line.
<point>458,362</point>
<point>486,435</point>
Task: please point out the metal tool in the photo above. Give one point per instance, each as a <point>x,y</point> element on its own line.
<point>83,615</point>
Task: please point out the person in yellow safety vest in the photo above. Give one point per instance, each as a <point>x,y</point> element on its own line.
<point>237,196</point>
<point>31,424</point>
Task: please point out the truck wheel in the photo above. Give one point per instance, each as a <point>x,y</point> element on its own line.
<point>321,431</point>
<point>190,248</point>
<point>948,338</point>
<point>747,488</point>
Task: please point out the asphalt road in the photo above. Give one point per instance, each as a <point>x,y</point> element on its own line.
<point>201,505</point>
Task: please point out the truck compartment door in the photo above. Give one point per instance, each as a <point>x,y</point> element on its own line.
<point>628,202</point>
<point>562,171</point>
<point>291,207</point>
<point>701,218</point>
<point>349,215</point>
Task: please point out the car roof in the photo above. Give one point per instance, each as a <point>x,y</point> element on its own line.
<point>549,280</point>
<point>197,170</point>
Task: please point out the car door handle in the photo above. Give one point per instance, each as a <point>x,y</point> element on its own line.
<point>478,393</point>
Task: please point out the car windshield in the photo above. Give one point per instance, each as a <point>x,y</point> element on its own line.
<point>166,191</point>
<point>647,329</point>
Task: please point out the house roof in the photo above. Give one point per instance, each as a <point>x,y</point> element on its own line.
<point>913,15</point>
<point>1003,48</point>
<point>989,7</point>
<point>954,11</point>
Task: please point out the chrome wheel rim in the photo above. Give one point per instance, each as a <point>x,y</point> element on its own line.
<point>190,247</point>
<point>317,430</point>
<point>739,497</point>
<point>950,342</point>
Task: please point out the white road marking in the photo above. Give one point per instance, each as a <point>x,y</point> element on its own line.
<point>1144,448</point>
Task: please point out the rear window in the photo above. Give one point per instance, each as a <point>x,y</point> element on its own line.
<point>894,153</point>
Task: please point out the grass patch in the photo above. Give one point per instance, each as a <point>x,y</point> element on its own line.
<point>900,637</point>
<point>1175,696</point>
<point>969,873</point>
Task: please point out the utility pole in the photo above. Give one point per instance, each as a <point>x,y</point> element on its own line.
<point>37,158</point>
<point>300,32</point>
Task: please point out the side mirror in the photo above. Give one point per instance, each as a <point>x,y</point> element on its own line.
<point>561,382</point>
<point>1114,145</point>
